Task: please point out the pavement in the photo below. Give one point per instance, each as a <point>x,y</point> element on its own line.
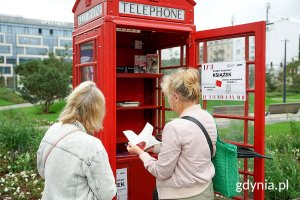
<point>22,105</point>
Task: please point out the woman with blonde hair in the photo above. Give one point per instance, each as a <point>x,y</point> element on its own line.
<point>184,169</point>
<point>72,161</point>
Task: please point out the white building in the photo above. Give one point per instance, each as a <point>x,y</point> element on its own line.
<point>277,32</point>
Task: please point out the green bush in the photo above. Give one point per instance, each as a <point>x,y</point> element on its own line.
<point>18,133</point>
<point>284,148</point>
<point>19,141</point>
<point>11,96</point>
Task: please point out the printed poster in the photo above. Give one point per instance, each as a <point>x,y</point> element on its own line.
<point>122,185</point>
<point>224,81</point>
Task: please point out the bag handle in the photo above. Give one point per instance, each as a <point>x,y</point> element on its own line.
<point>192,119</point>
<point>47,154</point>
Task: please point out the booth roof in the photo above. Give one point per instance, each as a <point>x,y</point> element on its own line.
<point>77,2</point>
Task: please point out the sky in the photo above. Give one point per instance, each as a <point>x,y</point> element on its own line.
<point>208,13</point>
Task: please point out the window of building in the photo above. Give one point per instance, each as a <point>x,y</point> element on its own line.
<point>64,43</point>
<point>26,59</point>
<point>11,61</point>
<point>20,50</point>
<point>51,31</point>
<point>26,30</point>
<point>5,70</point>
<point>36,51</point>
<point>65,52</point>
<point>1,38</point>
<point>238,51</point>
<point>40,31</point>
<point>9,29</point>
<point>1,59</point>
<point>5,49</point>
<point>65,33</point>
<point>30,40</point>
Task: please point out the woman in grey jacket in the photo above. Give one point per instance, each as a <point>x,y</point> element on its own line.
<point>73,162</point>
<point>184,169</point>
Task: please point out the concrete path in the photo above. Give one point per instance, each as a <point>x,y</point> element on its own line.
<point>22,105</point>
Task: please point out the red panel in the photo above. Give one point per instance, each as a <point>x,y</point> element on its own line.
<point>140,183</point>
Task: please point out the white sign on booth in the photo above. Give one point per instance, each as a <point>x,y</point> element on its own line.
<point>224,81</point>
<point>122,184</point>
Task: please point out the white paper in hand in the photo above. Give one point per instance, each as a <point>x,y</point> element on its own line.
<point>145,136</point>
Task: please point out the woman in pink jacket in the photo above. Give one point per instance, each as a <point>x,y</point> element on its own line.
<point>184,169</point>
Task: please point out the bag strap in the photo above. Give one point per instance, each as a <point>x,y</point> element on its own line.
<point>192,119</point>
<point>47,154</point>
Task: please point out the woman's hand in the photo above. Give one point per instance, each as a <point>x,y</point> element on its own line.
<point>134,149</point>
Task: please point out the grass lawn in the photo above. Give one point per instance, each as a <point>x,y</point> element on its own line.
<point>34,113</point>
<point>5,103</point>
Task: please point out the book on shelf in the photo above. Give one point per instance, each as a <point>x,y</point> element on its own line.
<point>143,137</point>
<point>128,103</point>
<point>152,63</point>
<point>140,64</point>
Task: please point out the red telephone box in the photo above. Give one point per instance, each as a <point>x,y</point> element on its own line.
<point>112,43</point>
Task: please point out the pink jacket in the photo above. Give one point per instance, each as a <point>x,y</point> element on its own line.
<point>183,168</point>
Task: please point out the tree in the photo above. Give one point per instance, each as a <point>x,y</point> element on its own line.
<point>271,80</point>
<point>293,75</point>
<point>45,80</point>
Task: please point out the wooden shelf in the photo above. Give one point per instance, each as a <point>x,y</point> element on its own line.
<point>138,75</point>
<point>138,107</point>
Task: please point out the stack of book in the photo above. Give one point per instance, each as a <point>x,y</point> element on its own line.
<point>128,103</point>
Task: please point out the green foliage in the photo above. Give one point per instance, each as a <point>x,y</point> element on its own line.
<point>2,81</point>
<point>292,78</point>
<point>271,80</point>
<point>19,141</point>
<point>10,96</point>
<point>45,81</point>
<point>293,74</point>
<point>283,145</point>
<point>17,133</point>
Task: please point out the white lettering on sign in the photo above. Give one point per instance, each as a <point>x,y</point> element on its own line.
<point>90,14</point>
<point>152,11</point>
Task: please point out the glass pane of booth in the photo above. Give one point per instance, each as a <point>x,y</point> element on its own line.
<point>170,57</point>
<point>225,50</point>
<point>251,76</point>
<point>251,48</point>
<point>87,73</point>
<point>86,52</point>
<point>184,56</point>
<point>201,50</point>
<point>230,129</point>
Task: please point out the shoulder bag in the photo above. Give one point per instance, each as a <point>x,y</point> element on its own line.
<point>225,162</point>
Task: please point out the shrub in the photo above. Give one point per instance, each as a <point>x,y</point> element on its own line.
<point>11,96</point>
<point>18,133</point>
<point>285,150</point>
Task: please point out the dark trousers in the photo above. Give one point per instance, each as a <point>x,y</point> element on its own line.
<point>155,194</point>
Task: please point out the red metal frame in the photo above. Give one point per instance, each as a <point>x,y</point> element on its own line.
<point>258,31</point>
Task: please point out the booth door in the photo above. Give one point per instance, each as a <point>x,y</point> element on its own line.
<point>240,118</point>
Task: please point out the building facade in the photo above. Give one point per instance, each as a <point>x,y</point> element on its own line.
<point>277,33</point>
<point>23,39</point>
